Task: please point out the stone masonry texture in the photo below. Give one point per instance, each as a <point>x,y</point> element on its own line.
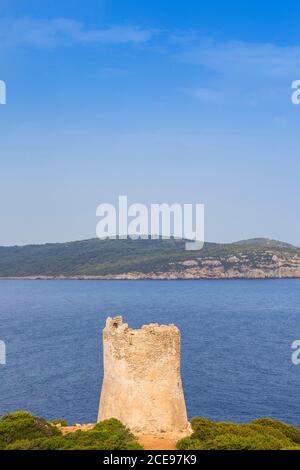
<point>142,383</point>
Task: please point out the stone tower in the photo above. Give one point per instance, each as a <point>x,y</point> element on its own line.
<point>142,383</point>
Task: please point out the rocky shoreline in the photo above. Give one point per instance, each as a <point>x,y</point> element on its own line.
<point>170,276</point>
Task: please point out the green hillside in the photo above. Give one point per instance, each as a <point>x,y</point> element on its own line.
<point>112,257</point>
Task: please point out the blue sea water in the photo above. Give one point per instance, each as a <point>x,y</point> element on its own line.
<point>236,344</point>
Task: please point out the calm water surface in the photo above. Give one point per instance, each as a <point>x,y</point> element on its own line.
<point>236,344</point>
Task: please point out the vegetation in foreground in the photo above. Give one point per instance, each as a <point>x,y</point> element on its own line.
<point>260,434</point>
<point>23,431</point>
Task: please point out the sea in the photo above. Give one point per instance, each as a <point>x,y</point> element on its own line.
<point>236,344</point>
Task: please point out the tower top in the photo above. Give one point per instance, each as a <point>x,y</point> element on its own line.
<point>116,325</point>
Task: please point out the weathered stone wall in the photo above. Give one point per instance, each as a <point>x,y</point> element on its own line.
<point>142,383</point>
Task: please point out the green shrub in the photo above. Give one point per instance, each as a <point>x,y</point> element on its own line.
<point>291,432</point>
<point>23,431</point>
<point>22,425</point>
<point>188,443</point>
<point>251,441</point>
<point>107,435</point>
<point>260,434</point>
<point>22,444</point>
<point>46,443</point>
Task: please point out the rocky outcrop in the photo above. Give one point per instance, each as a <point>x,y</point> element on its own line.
<point>264,265</point>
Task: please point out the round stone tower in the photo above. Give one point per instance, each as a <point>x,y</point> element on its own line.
<point>142,384</point>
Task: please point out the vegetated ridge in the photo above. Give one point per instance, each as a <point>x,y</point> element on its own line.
<point>151,259</point>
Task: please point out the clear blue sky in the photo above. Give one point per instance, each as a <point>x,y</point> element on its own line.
<point>165,101</point>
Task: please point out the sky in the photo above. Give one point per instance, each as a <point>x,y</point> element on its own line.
<point>186,102</point>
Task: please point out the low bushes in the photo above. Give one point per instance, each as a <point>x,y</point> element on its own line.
<point>23,431</point>
<point>260,434</point>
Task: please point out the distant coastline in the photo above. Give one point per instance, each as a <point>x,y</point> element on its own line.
<point>148,259</point>
<point>143,278</point>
